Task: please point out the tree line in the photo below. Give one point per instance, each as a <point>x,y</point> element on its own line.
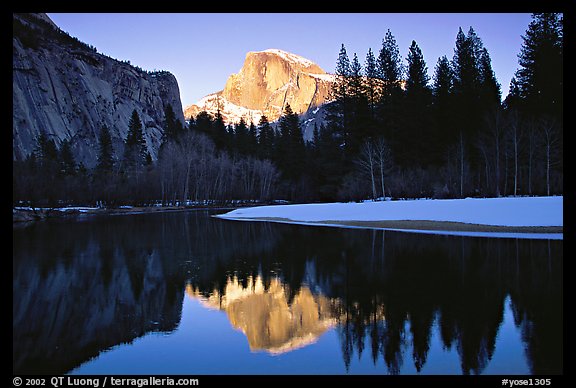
<point>189,168</point>
<point>390,131</point>
<point>396,133</point>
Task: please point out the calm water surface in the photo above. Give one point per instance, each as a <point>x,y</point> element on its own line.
<point>185,293</point>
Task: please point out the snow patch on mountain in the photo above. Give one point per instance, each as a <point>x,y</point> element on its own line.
<point>296,59</point>
<point>324,77</point>
<point>231,113</point>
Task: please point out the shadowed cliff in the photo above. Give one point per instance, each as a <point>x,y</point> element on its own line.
<point>65,88</point>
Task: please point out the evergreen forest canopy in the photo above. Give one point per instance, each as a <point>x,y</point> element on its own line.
<point>390,131</point>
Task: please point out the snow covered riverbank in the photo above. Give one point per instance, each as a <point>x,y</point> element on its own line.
<point>497,217</point>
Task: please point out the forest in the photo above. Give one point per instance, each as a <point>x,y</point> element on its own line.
<point>390,132</point>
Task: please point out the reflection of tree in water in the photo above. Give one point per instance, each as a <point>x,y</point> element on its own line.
<point>104,282</point>
<point>393,287</point>
<point>536,294</point>
<point>464,284</point>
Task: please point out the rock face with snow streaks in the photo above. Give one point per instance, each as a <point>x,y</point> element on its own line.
<point>272,321</point>
<point>267,82</point>
<point>65,88</point>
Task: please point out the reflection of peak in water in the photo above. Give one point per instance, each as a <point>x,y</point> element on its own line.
<point>267,318</point>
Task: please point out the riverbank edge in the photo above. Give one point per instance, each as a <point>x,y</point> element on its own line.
<point>24,216</point>
<point>420,225</point>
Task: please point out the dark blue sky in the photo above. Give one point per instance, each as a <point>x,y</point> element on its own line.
<point>202,50</point>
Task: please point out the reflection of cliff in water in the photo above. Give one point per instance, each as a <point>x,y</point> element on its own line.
<point>419,283</point>
<point>80,288</point>
<point>264,315</point>
<point>83,287</point>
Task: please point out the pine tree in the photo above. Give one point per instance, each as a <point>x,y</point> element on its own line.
<point>356,87</point>
<point>537,95</point>
<point>476,45</point>
<point>191,124</point>
<point>442,109</point>
<point>48,169</point>
<point>343,72</point>
<point>46,150</point>
<point>513,98</point>
<point>67,162</point>
<point>415,136</point>
<point>135,150</point>
<point>417,74</point>
<point>390,72</point>
<point>265,139</point>
<point>443,80</point>
<point>372,85</point>
<point>327,169</point>
<point>316,137</point>
<point>219,134</point>
<point>338,111</point>
<point>231,138</point>
<point>148,159</point>
<point>105,161</point>
<point>490,94</point>
<point>390,68</point>
<point>291,148</point>
<point>469,113</point>
<point>360,126</point>
<point>172,126</point>
<point>241,137</point>
<point>540,77</point>
<point>204,122</point>
<point>340,91</point>
<point>464,65</point>
<point>252,140</point>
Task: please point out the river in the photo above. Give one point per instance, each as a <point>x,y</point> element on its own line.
<point>187,293</point>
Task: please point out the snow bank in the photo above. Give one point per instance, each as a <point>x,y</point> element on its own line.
<point>81,209</point>
<point>518,211</point>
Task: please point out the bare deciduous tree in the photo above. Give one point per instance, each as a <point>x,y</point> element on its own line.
<point>550,141</point>
<point>384,161</point>
<point>367,163</point>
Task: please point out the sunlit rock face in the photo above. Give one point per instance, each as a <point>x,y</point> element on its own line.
<point>65,88</point>
<point>267,82</point>
<point>271,79</point>
<point>270,321</point>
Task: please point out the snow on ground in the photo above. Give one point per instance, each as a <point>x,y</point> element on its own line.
<point>517,211</point>
<point>81,209</point>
